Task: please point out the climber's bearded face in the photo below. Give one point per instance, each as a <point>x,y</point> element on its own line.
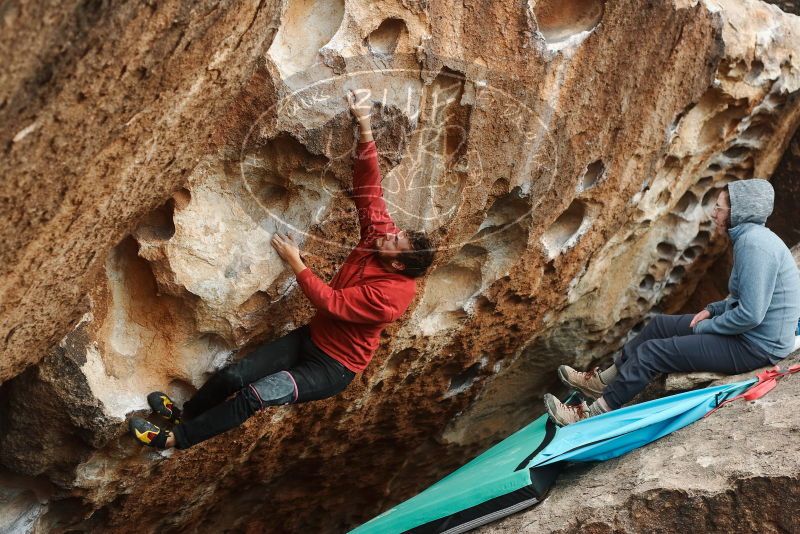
<point>391,246</point>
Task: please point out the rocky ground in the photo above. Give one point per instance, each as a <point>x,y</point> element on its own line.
<point>737,470</point>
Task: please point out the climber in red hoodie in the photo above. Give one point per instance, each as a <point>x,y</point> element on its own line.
<point>372,289</point>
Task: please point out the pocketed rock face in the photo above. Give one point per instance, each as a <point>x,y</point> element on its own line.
<point>563,160</point>
<point>787,194</point>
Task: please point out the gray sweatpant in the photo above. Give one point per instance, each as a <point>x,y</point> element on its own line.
<point>668,345</point>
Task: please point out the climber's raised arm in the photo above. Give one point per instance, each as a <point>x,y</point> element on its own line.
<point>373,217</point>
<point>361,108</point>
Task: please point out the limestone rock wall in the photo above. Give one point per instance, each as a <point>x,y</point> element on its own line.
<point>789,6</point>
<point>787,194</point>
<point>563,159</point>
<point>104,111</point>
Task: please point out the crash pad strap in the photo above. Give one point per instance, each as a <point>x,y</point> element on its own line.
<point>766,383</point>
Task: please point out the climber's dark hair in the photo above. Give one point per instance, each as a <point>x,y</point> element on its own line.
<point>419,258</point>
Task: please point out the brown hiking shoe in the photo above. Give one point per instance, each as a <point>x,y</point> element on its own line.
<point>587,382</point>
<point>565,414</point>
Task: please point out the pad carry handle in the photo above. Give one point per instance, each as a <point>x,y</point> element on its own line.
<point>766,383</point>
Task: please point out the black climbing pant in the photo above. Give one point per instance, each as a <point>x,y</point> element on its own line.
<point>668,345</point>
<point>290,369</point>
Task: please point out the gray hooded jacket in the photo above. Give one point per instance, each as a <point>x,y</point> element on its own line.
<point>764,301</point>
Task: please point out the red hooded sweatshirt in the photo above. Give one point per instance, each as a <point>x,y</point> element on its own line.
<point>363,297</point>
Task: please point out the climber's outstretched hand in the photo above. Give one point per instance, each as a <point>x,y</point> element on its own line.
<point>360,104</point>
<point>288,250</point>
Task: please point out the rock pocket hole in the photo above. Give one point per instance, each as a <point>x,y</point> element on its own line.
<point>506,210</point>
<point>449,290</point>
<point>701,239</point>
<point>756,69</point>
<point>722,124</point>
<point>385,38</point>
<point>463,380</point>
<point>283,177</point>
<point>736,152</point>
<point>180,390</point>
<point>666,250</point>
<point>647,283</point>
<point>691,253</point>
<point>399,359</point>
<point>704,182</point>
<point>775,101</point>
<point>565,230</point>
<point>182,197</point>
<point>709,199</point>
<point>664,197</point>
<point>561,20</point>
<point>687,203</point>
<point>663,265</point>
<point>593,173</point>
<point>158,225</point>
<point>274,187</point>
<point>484,305</point>
<point>757,132</point>
<point>306,26</point>
<point>676,275</point>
